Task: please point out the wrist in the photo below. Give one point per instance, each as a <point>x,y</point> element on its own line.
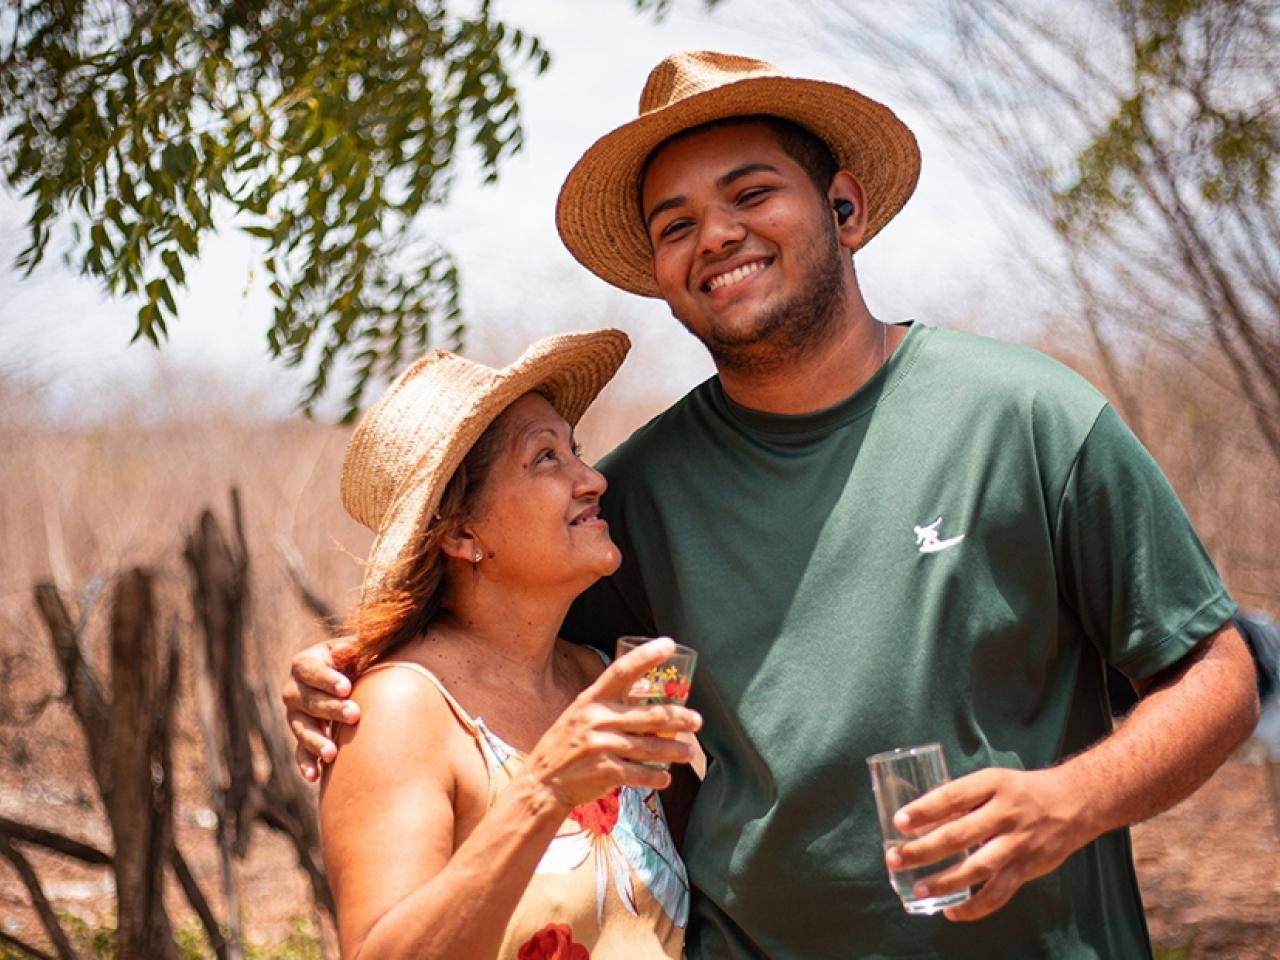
<point>1081,801</point>
<point>539,802</point>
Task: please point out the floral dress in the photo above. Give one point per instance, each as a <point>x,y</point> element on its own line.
<point>610,884</point>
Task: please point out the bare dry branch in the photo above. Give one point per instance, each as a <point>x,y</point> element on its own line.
<point>205,713</point>
<point>312,600</point>
<point>219,597</point>
<point>83,688</point>
<point>51,840</point>
<point>24,947</point>
<point>220,577</point>
<point>223,947</point>
<point>144,684</point>
<point>48,919</point>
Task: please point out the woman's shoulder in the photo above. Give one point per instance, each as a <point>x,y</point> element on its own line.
<point>399,684</point>
<point>403,707</point>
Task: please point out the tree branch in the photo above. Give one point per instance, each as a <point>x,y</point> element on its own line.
<point>293,565</point>
<point>50,840</point>
<point>24,947</point>
<point>83,688</point>
<point>48,919</point>
<point>195,896</point>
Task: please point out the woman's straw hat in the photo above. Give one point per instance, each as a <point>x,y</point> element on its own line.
<point>411,441</point>
<point>598,213</point>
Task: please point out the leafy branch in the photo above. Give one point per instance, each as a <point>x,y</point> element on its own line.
<point>320,127</point>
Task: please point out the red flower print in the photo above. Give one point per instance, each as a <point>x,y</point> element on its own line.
<point>676,691</point>
<point>553,942</point>
<point>598,816</point>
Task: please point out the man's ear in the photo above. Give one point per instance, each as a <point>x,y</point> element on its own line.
<point>845,191</point>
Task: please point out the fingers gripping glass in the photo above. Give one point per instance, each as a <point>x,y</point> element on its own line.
<point>666,682</point>
<point>898,777</point>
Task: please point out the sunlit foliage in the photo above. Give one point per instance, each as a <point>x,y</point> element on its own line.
<point>321,127</point>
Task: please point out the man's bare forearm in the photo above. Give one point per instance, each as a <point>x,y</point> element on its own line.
<point>1187,722</point>
<point>1020,824</point>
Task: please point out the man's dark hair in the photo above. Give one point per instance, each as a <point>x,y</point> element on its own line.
<point>799,143</point>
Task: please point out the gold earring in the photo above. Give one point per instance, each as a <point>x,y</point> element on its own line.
<point>475,557</point>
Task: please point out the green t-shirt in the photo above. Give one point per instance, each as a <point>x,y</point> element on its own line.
<point>950,554</point>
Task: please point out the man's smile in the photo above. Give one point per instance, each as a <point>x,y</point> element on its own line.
<point>735,275</point>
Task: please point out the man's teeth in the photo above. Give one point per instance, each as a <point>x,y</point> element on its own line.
<point>733,276</point>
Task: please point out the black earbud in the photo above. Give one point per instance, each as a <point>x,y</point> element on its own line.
<point>844,210</point>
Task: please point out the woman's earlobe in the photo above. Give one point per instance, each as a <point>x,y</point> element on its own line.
<point>461,544</point>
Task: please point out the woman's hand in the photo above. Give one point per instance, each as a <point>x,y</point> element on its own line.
<point>600,740</point>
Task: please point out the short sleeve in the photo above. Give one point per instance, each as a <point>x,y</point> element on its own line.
<point>1129,563</point>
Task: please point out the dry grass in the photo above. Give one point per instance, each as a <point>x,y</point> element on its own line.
<point>80,505</point>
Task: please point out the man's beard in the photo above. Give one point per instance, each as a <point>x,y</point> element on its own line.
<point>789,330</point>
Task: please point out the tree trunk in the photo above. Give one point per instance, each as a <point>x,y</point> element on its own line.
<point>143,681</point>
<point>95,716</point>
<point>219,596</point>
<point>220,592</point>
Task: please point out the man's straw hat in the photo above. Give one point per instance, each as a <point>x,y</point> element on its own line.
<point>411,441</point>
<point>598,213</point>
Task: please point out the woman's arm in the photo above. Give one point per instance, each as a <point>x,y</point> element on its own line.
<point>387,816</point>
<point>388,810</point>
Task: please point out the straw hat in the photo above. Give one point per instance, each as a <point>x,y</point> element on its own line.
<point>598,213</point>
<point>411,441</point>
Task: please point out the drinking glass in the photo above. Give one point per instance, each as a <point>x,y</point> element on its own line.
<point>898,777</point>
<point>665,682</point>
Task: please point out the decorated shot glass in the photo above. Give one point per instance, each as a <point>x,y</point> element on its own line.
<point>666,682</point>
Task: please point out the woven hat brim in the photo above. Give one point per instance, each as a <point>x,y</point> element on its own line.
<point>570,369</point>
<point>598,211</point>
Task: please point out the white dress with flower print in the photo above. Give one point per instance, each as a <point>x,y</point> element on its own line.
<point>610,885</point>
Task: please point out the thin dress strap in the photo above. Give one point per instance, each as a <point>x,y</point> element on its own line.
<point>493,749</point>
<point>463,717</point>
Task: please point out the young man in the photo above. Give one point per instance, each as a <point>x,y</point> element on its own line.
<point>878,536</point>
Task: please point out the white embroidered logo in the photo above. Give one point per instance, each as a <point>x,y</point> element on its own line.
<point>927,538</point>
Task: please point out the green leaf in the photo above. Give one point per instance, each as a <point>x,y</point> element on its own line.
<point>158,292</point>
<point>147,327</point>
<point>174,263</point>
<point>186,237</point>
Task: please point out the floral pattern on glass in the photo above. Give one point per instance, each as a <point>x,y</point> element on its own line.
<point>662,684</point>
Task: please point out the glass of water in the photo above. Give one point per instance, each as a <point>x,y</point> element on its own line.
<point>898,777</point>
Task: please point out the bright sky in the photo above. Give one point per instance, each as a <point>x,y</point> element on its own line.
<point>63,338</point>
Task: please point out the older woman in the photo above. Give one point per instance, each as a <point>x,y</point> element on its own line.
<point>498,797</point>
